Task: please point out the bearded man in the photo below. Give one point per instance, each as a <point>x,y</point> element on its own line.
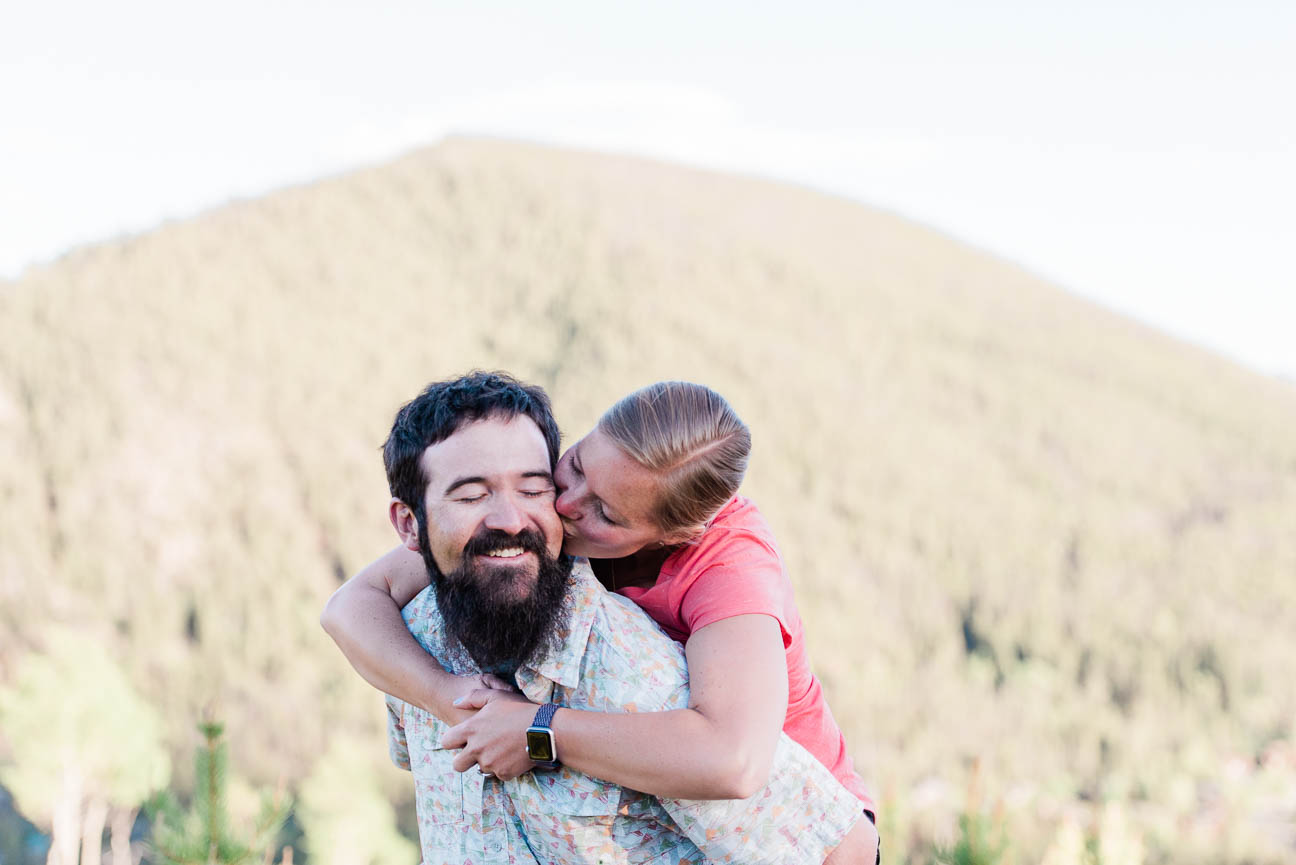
<point>469,463</point>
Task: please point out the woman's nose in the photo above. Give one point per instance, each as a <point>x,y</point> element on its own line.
<point>565,504</point>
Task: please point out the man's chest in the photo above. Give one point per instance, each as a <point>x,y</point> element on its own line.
<point>551,817</point>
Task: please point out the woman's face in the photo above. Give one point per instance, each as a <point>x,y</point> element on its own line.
<point>605,500</point>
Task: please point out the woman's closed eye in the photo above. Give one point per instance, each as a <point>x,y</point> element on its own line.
<point>602,514</point>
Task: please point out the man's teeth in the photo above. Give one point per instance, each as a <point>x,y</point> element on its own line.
<point>506,553</point>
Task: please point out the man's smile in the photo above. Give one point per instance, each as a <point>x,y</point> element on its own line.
<point>506,553</point>
<point>496,549</point>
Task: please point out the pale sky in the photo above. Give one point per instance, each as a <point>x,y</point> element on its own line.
<point>1142,154</point>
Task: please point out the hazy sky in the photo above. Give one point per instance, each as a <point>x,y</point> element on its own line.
<point>1139,153</point>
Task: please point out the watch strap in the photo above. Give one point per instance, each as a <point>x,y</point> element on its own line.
<point>545,715</point>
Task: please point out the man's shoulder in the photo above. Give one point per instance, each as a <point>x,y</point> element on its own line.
<point>629,661</point>
<point>420,606</point>
<point>612,616</point>
<point>423,619</point>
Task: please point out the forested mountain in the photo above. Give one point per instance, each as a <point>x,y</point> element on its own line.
<point>1027,535</point>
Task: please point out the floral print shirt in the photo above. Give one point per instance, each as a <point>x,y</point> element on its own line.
<point>612,658</point>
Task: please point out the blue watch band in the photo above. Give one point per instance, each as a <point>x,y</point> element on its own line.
<point>545,715</point>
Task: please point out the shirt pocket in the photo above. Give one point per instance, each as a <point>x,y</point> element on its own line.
<point>437,786</point>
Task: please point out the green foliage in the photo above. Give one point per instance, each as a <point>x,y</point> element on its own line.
<point>980,842</point>
<point>346,816</point>
<point>70,714</point>
<point>203,833</point>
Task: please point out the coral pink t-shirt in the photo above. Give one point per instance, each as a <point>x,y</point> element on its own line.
<point>735,569</point>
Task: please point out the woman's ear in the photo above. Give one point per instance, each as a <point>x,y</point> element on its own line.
<point>405,524</point>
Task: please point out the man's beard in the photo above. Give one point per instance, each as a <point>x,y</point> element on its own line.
<point>480,607</point>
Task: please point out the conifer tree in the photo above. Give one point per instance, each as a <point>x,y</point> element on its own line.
<point>203,835</point>
<point>982,840</point>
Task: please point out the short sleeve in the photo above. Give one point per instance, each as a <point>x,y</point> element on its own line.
<point>746,578</point>
<point>396,743</point>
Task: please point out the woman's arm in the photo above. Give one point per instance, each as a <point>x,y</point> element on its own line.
<point>363,617</point>
<point>721,747</point>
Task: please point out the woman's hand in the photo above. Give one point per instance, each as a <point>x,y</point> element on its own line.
<point>462,687</point>
<point>493,739</point>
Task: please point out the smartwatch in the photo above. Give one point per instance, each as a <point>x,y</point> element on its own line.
<point>540,743</point>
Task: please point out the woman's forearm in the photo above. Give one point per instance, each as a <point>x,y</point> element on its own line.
<point>721,747</point>
<point>366,624</point>
<point>679,754</point>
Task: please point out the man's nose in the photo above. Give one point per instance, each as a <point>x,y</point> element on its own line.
<point>505,515</point>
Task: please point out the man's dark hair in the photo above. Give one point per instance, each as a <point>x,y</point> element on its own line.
<point>442,409</point>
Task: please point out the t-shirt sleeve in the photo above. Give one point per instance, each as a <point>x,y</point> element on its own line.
<point>746,578</point>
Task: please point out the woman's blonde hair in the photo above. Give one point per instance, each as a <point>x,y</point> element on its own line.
<point>695,442</point>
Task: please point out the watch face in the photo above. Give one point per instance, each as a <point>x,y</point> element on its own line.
<point>540,746</point>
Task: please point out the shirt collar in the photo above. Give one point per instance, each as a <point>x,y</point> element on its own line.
<point>562,665</point>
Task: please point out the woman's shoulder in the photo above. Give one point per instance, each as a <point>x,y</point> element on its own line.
<point>739,527</point>
<point>734,569</point>
<point>738,538</point>
<point>740,512</point>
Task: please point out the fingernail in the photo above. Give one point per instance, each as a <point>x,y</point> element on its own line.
<point>458,700</point>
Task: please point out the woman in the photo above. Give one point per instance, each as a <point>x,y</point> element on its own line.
<point>650,497</point>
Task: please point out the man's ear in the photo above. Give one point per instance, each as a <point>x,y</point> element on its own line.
<point>405,524</point>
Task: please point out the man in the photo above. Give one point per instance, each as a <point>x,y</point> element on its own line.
<point>469,462</point>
